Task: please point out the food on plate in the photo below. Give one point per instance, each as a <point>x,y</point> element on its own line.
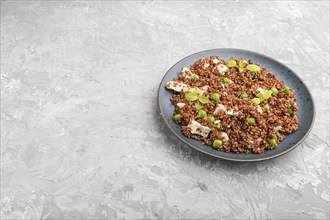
<point>235,106</point>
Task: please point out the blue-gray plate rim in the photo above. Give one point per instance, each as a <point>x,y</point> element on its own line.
<point>306,112</point>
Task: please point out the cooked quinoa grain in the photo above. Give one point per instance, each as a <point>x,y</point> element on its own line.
<point>238,104</point>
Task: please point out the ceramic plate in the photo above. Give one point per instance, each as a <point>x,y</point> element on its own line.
<point>305,102</point>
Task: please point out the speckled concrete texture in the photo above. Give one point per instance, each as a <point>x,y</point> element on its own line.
<point>81,135</point>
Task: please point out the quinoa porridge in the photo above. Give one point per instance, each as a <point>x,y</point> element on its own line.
<point>234,106</point>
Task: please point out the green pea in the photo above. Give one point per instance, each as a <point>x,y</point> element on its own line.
<point>202,114</point>
<point>266,107</point>
<point>267,94</point>
<point>211,118</point>
<point>243,95</point>
<point>226,80</point>
<point>272,142</point>
<point>290,111</point>
<point>217,144</point>
<point>177,117</point>
<point>215,97</point>
<point>274,90</point>
<point>251,121</point>
<point>256,101</point>
<point>195,77</point>
<point>253,73</point>
<point>286,90</point>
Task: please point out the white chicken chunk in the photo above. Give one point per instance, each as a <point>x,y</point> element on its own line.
<point>197,128</point>
<point>185,72</point>
<point>222,68</point>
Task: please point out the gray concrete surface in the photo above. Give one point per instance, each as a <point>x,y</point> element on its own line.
<point>80,132</point>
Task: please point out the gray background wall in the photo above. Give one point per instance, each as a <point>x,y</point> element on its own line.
<point>81,135</point>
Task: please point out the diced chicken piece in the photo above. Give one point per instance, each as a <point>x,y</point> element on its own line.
<point>222,108</point>
<point>259,109</point>
<point>224,136</point>
<point>180,104</point>
<point>261,90</point>
<point>219,108</point>
<point>277,128</point>
<point>179,86</point>
<point>204,89</point>
<point>222,68</point>
<point>176,86</point>
<point>189,89</point>
<point>185,72</point>
<point>197,128</point>
<point>206,65</point>
<point>231,112</point>
<point>215,61</point>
